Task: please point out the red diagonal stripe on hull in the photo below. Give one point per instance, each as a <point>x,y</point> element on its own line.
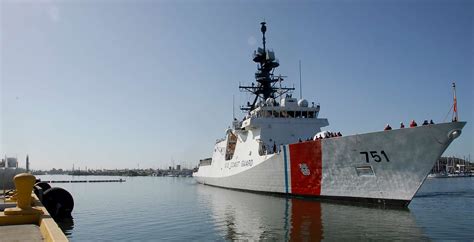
<point>308,153</point>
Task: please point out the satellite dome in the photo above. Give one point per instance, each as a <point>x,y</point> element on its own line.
<point>303,103</point>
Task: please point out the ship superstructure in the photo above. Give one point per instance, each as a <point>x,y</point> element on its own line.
<point>279,148</point>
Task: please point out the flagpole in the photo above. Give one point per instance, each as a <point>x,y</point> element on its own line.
<point>455,111</point>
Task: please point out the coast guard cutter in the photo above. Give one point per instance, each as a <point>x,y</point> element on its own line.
<point>270,150</point>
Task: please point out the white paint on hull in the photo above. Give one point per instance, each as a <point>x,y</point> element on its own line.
<point>412,153</point>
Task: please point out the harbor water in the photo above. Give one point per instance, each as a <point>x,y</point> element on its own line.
<point>175,208</point>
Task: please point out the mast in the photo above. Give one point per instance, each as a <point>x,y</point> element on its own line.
<point>301,88</point>
<point>263,29</point>
<point>266,81</point>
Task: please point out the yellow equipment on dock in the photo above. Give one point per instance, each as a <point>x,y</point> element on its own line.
<point>29,220</point>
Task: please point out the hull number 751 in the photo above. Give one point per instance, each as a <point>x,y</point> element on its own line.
<point>374,156</point>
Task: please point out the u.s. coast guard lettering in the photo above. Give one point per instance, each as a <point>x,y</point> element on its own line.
<point>232,164</point>
<point>246,163</point>
<point>241,163</point>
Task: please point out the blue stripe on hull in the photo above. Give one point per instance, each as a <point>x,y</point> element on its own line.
<point>286,169</point>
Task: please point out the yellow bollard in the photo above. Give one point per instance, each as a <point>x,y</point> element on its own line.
<point>24,183</point>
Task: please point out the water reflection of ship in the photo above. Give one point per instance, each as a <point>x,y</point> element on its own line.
<point>249,216</point>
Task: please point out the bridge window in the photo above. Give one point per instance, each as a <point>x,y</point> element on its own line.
<point>285,114</point>
<point>305,114</point>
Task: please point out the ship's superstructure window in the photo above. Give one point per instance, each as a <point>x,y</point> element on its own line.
<point>205,162</point>
<point>276,113</point>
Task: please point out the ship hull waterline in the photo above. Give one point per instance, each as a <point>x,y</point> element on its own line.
<point>385,168</point>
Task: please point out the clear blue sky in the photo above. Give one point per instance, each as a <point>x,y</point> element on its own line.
<point>110,84</point>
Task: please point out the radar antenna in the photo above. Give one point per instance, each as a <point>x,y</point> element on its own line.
<point>266,81</point>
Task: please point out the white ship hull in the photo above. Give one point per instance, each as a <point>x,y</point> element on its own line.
<point>382,167</point>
